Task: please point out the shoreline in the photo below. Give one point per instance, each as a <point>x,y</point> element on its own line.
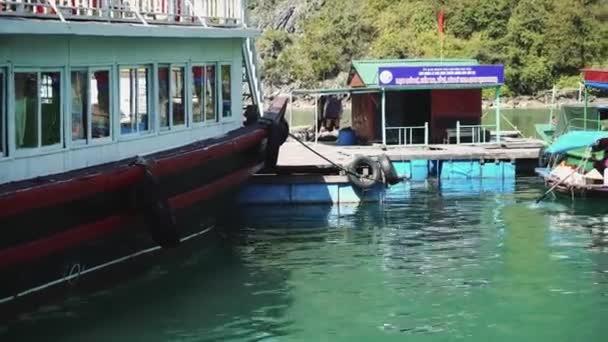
<point>506,103</point>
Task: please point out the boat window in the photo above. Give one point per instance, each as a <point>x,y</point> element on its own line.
<point>50,108</point>
<point>79,105</point>
<point>37,109</point>
<point>210,94</point>
<point>26,109</point>
<point>198,106</point>
<point>203,94</point>
<point>134,98</point>
<point>226,91</point>
<point>2,115</point>
<point>178,96</point>
<point>164,108</point>
<point>99,97</point>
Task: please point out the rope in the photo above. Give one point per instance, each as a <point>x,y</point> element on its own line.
<point>340,167</point>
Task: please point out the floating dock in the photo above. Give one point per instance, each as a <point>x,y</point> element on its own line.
<point>304,178</point>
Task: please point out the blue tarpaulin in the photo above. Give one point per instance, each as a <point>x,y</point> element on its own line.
<point>577,139</point>
<point>597,85</point>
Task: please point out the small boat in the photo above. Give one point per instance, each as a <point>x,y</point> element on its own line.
<point>577,117</point>
<point>583,177</point>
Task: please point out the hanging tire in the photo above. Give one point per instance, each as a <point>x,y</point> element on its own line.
<point>157,214</point>
<point>279,131</point>
<point>543,158</point>
<point>388,169</point>
<point>356,177</point>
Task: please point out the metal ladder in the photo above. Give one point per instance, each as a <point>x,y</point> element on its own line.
<point>252,75</point>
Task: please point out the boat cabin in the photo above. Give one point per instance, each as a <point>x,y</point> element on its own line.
<point>83,83</point>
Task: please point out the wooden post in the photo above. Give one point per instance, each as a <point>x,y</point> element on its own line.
<point>384,116</point>
<point>316,119</point>
<point>290,112</point>
<point>585,109</point>
<point>497,104</point>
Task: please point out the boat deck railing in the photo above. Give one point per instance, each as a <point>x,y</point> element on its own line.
<point>218,13</point>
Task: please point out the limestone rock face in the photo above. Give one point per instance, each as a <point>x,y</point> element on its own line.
<point>283,15</point>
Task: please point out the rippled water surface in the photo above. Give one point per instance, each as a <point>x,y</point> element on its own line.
<point>474,262</point>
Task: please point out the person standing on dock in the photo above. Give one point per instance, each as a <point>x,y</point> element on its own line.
<point>331,110</point>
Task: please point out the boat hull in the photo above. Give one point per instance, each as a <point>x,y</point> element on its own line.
<point>57,228</point>
<point>572,191</point>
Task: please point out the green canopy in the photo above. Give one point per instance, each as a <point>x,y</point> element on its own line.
<point>574,140</point>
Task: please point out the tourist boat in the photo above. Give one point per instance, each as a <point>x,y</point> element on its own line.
<point>120,124</point>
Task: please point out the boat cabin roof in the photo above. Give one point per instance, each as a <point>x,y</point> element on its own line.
<point>596,78</point>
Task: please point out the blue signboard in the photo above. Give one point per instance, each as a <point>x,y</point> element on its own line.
<point>422,76</point>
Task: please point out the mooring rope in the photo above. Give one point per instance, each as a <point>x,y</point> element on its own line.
<point>338,166</point>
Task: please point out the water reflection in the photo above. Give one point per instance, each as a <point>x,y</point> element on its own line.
<point>433,261</point>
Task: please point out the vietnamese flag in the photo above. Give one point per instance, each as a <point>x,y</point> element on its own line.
<point>441,22</point>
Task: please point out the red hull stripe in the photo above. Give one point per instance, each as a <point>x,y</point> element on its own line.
<point>600,76</point>
<point>175,164</point>
<point>70,190</point>
<point>74,237</point>
<point>206,192</point>
<point>66,191</point>
<point>37,249</point>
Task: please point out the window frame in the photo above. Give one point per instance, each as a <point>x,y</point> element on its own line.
<point>218,95</point>
<point>111,111</point>
<point>32,151</point>
<point>149,101</point>
<point>3,111</point>
<point>87,113</point>
<point>223,118</point>
<point>186,98</point>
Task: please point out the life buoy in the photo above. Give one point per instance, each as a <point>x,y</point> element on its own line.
<point>356,176</point>
<point>279,131</point>
<point>388,169</point>
<point>157,214</point>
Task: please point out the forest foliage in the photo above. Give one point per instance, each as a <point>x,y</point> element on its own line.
<point>540,42</point>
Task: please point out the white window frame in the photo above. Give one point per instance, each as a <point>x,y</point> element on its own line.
<point>31,151</point>
<point>150,93</point>
<point>87,109</point>
<point>3,119</point>
<point>218,95</point>
<point>102,140</point>
<point>172,127</point>
<point>221,93</point>
<point>88,140</point>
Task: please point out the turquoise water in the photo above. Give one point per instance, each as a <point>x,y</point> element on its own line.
<point>464,261</point>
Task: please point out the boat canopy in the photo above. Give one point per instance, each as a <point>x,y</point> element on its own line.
<point>575,140</point>
<point>595,78</point>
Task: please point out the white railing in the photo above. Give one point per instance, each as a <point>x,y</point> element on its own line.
<point>408,136</point>
<point>226,13</point>
<point>471,134</point>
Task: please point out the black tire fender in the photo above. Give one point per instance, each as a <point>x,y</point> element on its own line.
<point>360,181</point>
<point>158,216</point>
<point>277,135</point>
<point>543,158</point>
<point>388,169</point>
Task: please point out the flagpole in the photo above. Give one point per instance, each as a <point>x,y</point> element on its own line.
<point>441,29</point>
